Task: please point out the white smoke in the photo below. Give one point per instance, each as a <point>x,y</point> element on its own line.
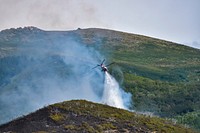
<point>55,70</point>
<point>113,94</point>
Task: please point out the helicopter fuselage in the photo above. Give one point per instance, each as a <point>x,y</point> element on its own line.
<point>103,68</point>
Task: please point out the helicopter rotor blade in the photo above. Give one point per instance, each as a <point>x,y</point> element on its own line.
<point>110,64</point>
<point>102,61</point>
<point>95,67</point>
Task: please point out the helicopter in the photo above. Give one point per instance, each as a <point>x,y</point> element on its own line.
<point>103,67</point>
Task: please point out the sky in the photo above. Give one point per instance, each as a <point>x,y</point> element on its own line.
<point>172,20</point>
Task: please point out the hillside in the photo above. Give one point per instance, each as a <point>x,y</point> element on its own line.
<point>83,116</point>
<point>42,67</point>
<point>162,76</point>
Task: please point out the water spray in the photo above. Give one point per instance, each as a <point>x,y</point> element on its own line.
<point>112,93</point>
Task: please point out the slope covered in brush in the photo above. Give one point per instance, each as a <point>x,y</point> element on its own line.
<point>162,76</point>
<point>84,116</point>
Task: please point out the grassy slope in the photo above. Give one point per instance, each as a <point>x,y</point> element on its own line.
<point>84,116</point>
<point>162,76</point>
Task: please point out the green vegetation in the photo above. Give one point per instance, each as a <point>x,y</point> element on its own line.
<point>164,98</point>
<point>163,77</point>
<point>106,126</point>
<point>191,118</point>
<point>70,127</point>
<point>57,117</point>
<point>83,127</point>
<point>111,118</point>
<point>166,83</point>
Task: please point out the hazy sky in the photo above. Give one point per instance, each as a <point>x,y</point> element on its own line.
<point>173,20</point>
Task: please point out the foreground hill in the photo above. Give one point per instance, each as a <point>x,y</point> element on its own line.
<point>83,116</point>
<point>163,77</point>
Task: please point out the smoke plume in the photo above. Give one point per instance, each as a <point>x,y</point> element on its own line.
<point>53,70</point>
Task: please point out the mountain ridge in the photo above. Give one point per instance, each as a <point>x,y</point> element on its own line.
<point>80,30</point>
<point>85,116</point>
